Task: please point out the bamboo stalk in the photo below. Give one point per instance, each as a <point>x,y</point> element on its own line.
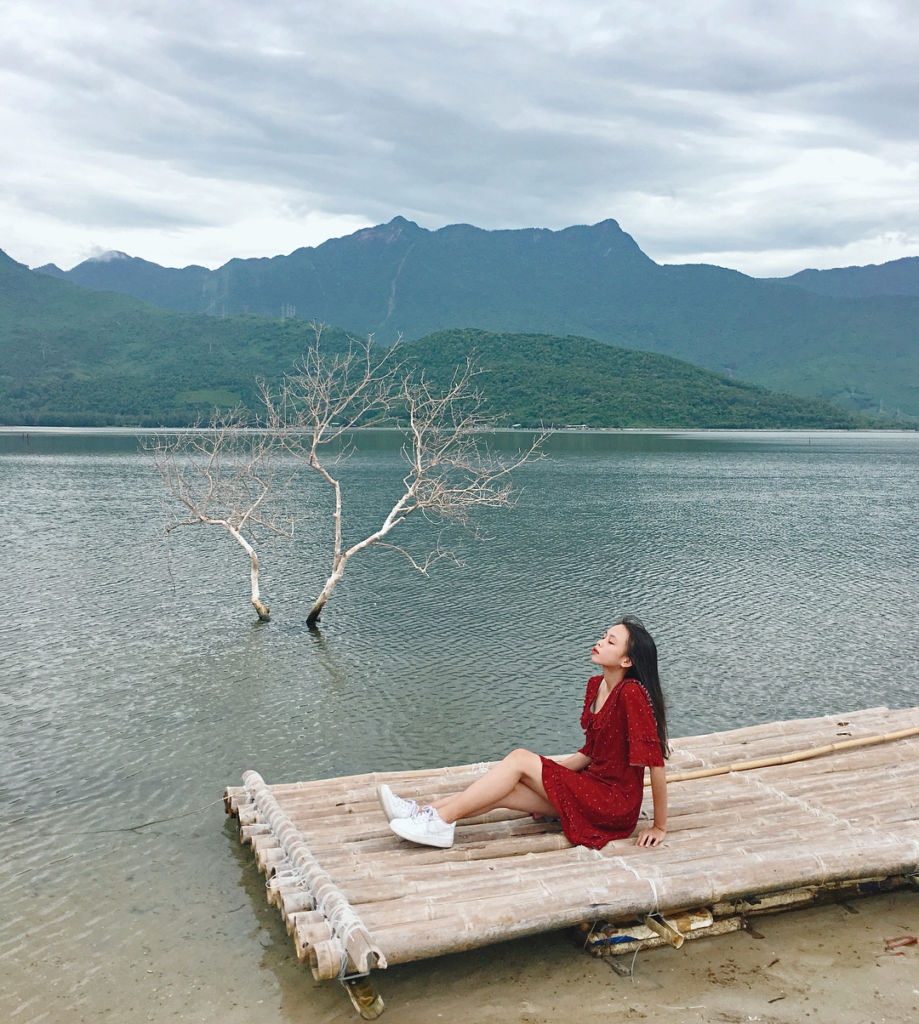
<point>800,755</point>
<point>248,832</point>
<point>756,861</point>
<point>369,781</point>
<point>405,913</point>
<point>360,946</point>
<point>470,849</point>
<point>232,796</point>
<point>517,917</point>
<point>339,843</point>
<point>325,959</point>
<point>307,936</point>
<point>360,786</point>
<point>777,732</point>
<point>720,752</point>
<point>354,814</point>
<point>373,830</point>
<point>456,872</point>
<point>247,816</point>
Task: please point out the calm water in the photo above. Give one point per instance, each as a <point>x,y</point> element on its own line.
<point>777,571</point>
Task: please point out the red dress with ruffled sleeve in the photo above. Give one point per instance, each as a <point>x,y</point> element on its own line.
<point>603,801</point>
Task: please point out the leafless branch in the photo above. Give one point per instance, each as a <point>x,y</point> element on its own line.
<point>225,475</point>
<point>451,471</point>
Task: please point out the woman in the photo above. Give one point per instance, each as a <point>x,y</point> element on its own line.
<point>597,791</point>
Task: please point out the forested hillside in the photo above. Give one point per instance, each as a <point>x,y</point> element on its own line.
<point>70,356</point>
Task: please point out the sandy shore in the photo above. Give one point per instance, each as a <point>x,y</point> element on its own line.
<point>825,964</point>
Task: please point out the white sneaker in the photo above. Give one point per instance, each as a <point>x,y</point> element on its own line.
<point>426,827</point>
<point>395,806</point>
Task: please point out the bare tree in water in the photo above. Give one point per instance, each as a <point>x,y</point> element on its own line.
<point>225,475</point>
<point>449,470</point>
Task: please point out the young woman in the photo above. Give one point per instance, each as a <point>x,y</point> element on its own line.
<point>596,792</point>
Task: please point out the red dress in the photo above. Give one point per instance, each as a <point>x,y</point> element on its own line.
<point>603,801</point>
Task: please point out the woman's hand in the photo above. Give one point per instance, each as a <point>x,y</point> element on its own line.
<point>652,836</point>
<point>655,835</point>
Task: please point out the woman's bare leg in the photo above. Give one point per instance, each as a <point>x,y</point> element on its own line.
<point>521,798</point>
<point>515,783</point>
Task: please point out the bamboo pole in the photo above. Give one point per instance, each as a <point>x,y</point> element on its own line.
<point>402,860</point>
<point>517,917</point>
<point>427,910</point>
<point>248,832</point>
<point>727,746</point>
<point>341,844</point>
<point>748,868</point>
<point>360,947</point>
<point>770,733</point>
<point>799,755</point>
<point>744,737</point>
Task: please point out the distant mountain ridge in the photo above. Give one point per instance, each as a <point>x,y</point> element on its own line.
<point>589,281</point>
<point>130,275</point>
<point>898,277</point>
<point>73,356</point>
<point>895,277</point>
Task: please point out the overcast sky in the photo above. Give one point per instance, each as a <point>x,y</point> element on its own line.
<point>764,135</point>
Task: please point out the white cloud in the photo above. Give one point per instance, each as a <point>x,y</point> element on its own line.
<point>198,131</point>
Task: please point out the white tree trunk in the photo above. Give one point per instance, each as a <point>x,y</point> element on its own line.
<point>264,613</point>
<point>320,601</point>
<point>341,557</point>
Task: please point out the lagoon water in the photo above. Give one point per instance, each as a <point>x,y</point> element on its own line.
<point>778,572</point>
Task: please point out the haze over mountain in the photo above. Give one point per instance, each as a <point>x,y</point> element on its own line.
<point>860,350</point>
<point>69,355</point>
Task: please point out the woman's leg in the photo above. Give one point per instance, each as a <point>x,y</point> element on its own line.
<point>521,798</point>
<point>515,783</point>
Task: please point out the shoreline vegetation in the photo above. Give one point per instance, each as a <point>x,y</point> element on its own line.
<point>11,429</point>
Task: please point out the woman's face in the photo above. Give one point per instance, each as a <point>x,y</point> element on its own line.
<point>611,650</point>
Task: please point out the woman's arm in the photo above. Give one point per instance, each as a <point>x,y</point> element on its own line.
<point>654,835</point>
<point>577,762</point>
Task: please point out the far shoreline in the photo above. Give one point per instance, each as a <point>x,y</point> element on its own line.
<point>599,431</point>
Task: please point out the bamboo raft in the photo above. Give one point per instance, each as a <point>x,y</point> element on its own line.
<point>759,817</point>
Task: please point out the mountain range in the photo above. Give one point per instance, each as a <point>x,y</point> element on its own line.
<point>850,336</point>
<point>73,356</point>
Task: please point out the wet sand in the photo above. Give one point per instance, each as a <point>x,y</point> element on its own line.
<point>825,964</point>
<point>230,960</point>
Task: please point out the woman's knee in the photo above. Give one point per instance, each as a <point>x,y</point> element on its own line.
<point>525,761</point>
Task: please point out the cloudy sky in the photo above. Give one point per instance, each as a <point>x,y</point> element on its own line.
<point>764,135</point>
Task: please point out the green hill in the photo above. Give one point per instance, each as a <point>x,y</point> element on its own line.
<point>539,379</point>
<point>70,356</point>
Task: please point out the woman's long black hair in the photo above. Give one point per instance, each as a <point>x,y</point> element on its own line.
<point>642,652</point>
